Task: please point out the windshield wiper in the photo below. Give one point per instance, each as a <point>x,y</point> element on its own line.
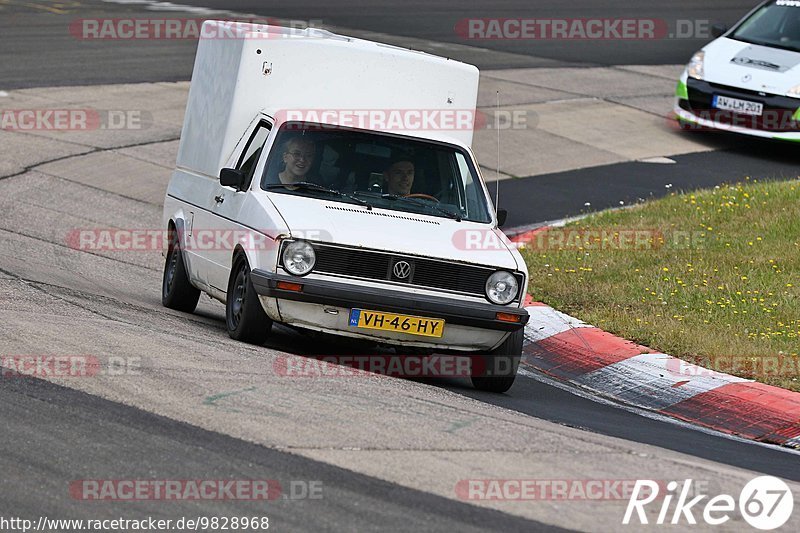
<point>316,187</point>
<point>414,201</point>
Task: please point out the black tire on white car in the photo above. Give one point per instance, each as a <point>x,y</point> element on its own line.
<point>496,371</point>
<point>244,316</point>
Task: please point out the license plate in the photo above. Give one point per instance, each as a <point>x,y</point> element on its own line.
<point>743,107</point>
<point>413,325</point>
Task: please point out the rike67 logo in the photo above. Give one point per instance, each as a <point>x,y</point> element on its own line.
<point>765,503</point>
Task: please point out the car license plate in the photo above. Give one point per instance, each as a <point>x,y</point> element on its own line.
<point>413,325</point>
<point>744,107</point>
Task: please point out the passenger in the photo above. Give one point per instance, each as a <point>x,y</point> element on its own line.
<point>399,177</point>
<point>298,158</point>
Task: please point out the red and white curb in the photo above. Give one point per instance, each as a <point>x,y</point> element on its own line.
<point>572,351</point>
<point>569,350</point>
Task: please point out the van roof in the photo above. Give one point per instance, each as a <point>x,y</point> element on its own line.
<point>313,75</point>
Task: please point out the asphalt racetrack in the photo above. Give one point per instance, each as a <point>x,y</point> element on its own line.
<point>194,404</point>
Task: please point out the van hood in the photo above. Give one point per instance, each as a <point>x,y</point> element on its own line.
<point>751,66</point>
<point>395,231</point>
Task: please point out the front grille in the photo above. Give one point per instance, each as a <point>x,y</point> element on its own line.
<point>725,89</point>
<point>343,261</point>
<point>778,115</point>
<point>424,272</point>
<point>451,276</point>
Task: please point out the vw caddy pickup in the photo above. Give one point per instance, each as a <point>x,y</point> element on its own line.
<point>327,183</point>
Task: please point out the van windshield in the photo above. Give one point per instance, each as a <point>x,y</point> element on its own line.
<point>776,24</point>
<point>380,170</point>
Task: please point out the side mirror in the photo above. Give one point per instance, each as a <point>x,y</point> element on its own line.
<point>502,215</point>
<point>230,177</point>
<point>718,30</point>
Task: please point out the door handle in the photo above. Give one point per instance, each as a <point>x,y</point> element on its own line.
<point>219,198</point>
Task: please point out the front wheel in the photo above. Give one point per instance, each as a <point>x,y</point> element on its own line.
<point>244,316</point>
<point>496,371</point>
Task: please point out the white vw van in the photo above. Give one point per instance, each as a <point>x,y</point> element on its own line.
<point>327,183</point>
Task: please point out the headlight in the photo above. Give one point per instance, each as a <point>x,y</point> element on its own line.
<point>501,287</point>
<point>695,66</point>
<point>299,258</point>
<point>794,92</point>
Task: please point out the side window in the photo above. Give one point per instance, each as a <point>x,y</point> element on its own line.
<point>249,159</point>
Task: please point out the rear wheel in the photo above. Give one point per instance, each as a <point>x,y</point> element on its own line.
<point>496,371</point>
<point>177,292</point>
<point>244,316</point>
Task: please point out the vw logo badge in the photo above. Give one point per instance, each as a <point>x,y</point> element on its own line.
<point>746,78</point>
<point>402,269</point>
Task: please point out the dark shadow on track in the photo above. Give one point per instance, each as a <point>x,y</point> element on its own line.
<point>54,436</point>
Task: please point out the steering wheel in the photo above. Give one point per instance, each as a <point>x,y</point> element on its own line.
<point>423,196</point>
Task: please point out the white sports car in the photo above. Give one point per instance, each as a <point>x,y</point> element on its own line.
<point>748,79</point>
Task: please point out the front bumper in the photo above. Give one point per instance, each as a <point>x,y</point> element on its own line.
<point>323,292</point>
<point>780,119</point>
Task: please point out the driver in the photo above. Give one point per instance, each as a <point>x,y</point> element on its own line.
<point>399,177</point>
<point>298,157</point>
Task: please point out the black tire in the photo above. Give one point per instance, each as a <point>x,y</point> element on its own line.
<point>177,292</point>
<point>496,371</point>
<point>244,316</point>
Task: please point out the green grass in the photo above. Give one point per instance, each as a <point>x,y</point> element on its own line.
<point>712,277</point>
